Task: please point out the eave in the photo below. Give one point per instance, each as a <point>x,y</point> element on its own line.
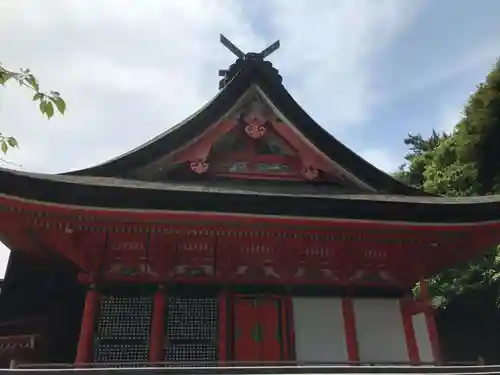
<point>112,193</point>
<point>40,212</point>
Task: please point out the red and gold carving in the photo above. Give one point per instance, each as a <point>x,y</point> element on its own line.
<point>258,259</point>
<point>199,166</point>
<point>195,256</point>
<point>309,172</point>
<point>89,248</point>
<point>372,277</point>
<point>316,260</point>
<point>161,255</point>
<point>255,131</point>
<point>126,254</point>
<point>127,244</point>
<point>255,126</point>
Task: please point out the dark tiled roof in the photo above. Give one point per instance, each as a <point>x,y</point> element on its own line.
<point>248,198</point>
<point>267,78</point>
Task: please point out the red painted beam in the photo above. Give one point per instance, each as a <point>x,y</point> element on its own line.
<point>200,148</point>
<point>224,248</point>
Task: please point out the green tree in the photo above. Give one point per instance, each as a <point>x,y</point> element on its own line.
<point>421,149</point>
<point>464,163</point>
<point>48,102</point>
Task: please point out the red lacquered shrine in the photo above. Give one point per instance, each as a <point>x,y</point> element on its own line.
<point>246,233</point>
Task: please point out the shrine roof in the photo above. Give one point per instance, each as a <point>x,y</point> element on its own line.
<point>246,74</point>
<point>246,198</point>
<point>351,188</point>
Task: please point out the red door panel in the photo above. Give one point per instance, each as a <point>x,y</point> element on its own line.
<point>257,331</point>
<point>271,335</point>
<point>245,334</point>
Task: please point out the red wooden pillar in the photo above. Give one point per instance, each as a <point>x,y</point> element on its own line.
<point>85,348</point>
<point>350,330</point>
<point>223,328</point>
<point>288,327</point>
<point>430,322</point>
<point>409,330</point>
<point>157,336</point>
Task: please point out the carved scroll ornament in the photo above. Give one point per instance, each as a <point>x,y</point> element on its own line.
<point>199,166</point>
<point>309,172</point>
<point>255,127</point>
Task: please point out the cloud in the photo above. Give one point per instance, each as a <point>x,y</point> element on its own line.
<point>469,64</point>
<point>127,70</point>
<point>382,159</point>
<point>328,49</point>
<point>447,118</point>
<point>130,70</point>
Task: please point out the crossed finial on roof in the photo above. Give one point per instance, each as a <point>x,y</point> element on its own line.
<point>260,56</point>
<point>250,55</point>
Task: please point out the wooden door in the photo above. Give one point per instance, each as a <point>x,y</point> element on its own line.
<point>246,347</point>
<point>257,334</point>
<point>271,338</point>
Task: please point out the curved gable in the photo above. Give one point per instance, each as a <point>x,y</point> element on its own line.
<point>317,148</point>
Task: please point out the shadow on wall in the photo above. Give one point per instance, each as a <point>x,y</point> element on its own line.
<point>470,327</point>
<point>50,290</point>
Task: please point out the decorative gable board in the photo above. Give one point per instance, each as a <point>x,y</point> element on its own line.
<point>252,141</point>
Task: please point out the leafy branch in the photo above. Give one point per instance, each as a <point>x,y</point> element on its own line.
<point>48,102</point>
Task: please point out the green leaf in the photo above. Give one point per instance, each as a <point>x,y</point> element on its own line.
<point>49,109</point>
<point>4,76</point>
<point>33,82</point>
<point>60,104</point>
<point>37,96</point>
<point>12,142</point>
<point>4,146</point>
<point>42,107</point>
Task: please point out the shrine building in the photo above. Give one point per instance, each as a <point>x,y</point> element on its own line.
<point>247,234</point>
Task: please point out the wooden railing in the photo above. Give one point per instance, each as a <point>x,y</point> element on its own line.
<point>260,368</point>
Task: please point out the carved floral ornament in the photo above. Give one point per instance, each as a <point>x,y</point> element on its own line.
<point>255,127</point>
<point>309,172</point>
<point>199,166</point>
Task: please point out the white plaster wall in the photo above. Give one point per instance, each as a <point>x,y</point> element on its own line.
<point>422,337</point>
<point>380,332</point>
<point>319,329</point>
